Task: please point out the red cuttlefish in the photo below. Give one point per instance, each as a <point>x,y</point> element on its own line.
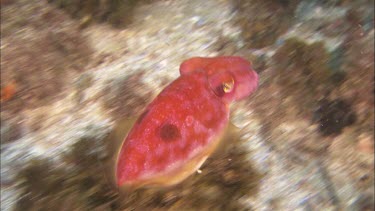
<point>184,124</point>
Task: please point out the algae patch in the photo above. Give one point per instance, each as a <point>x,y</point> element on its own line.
<point>302,72</point>
<point>82,184</point>
<point>116,12</point>
<point>262,22</point>
<point>78,185</point>
<point>333,116</point>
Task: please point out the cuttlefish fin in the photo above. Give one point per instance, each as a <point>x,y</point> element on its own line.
<point>118,134</point>
<point>114,142</point>
<point>168,180</point>
<point>229,137</point>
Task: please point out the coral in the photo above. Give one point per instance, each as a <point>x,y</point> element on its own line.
<point>262,22</point>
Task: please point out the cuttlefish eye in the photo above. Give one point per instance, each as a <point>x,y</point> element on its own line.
<point>228,86</point>
<point>221,83</point>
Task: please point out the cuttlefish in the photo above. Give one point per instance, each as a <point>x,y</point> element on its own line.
<point>183,125</point>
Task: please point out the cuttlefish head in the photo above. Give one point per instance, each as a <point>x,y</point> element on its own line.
<point>230,77</point>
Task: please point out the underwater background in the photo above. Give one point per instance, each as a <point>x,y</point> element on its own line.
<point>71,70</point>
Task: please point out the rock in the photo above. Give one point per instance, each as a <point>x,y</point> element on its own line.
<point>10,130</point>
<point>366,144</point>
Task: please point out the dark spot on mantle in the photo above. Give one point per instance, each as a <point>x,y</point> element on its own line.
<point>169,132</point>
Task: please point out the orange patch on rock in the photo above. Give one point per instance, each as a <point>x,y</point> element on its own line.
<point>8,91</point>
